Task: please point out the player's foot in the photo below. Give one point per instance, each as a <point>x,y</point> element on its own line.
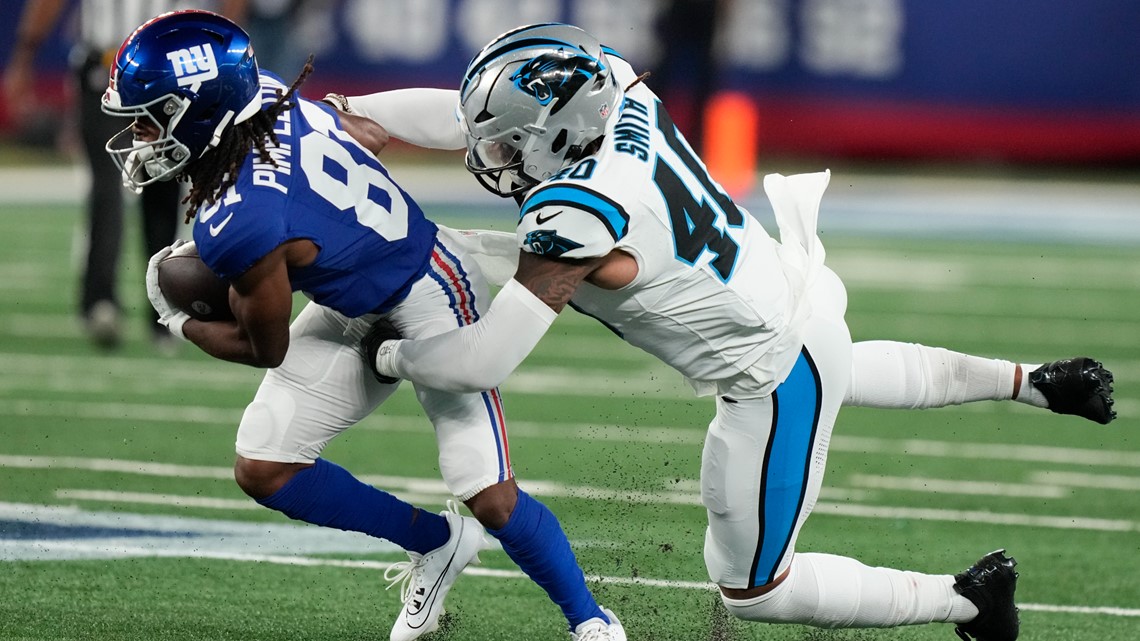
<point>598,630</point>
<point>164,342</point>
<point>425,579</point>
<point>989,585</point>
<point>1080,386</point>
<point>104,324</point>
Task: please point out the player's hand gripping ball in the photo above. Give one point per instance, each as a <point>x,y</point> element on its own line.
<point>188,284</point>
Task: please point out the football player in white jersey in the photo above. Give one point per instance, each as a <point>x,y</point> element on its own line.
<point>620,220</point>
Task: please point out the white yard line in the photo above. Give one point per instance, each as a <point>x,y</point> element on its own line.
<point>947,486</point>
<point>987,451</point>
<point>228,418</point>
<point>173,547</point>
<point>1097,481</point>
<point>172,500</point>
<point>433,488</point>
<point>977,516</point>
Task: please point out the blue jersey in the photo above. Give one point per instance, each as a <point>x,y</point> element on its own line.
<point>373,239</point>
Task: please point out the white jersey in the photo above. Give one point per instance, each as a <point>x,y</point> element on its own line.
<point>715,296</point>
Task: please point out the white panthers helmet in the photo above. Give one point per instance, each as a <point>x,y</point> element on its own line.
<point>531,101</point>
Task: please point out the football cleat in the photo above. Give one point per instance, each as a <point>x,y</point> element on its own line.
<point>104,324</point>
<point>597,629</point>
<point>425,580</point>
<point>989,584</point>
<point>1080,386</point>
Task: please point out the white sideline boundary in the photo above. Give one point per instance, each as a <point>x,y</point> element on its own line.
<point>1052,210</point>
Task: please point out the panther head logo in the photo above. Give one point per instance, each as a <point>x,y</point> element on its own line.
<point>556,75</point>
<point>548,243</point>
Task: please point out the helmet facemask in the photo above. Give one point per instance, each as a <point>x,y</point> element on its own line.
<point>143,162</point>
<point>496,166</point>
<point>532,102</point>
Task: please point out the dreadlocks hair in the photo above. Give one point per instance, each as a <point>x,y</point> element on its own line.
<point>638,80</point>
<point>216,171</point>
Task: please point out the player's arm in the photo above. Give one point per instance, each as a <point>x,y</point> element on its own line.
<point>423,117</point>
<point>554,280</point>
<point>370,134</point>
<point>36,22</point>
<point>481,356</point>
<point>262,302</point>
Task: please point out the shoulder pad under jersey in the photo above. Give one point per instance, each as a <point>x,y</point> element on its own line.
<point>570,221</point>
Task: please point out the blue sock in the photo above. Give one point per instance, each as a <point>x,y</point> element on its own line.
<point>327,494</point>
<point>534,540</point>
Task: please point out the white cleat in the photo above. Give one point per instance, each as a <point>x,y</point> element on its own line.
<point>599,630</point>
<point>425,580</point>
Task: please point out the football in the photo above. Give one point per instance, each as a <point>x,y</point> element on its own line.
<point>190,286</point>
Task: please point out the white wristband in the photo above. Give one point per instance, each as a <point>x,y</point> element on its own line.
<point>386,357</point>
<point>175,323</point>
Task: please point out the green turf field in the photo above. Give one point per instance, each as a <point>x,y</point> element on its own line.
<point>127,455</point>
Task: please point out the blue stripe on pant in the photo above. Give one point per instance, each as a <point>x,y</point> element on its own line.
<point>795,417</point>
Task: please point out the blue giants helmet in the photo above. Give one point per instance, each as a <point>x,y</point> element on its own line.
<point>191,74</point>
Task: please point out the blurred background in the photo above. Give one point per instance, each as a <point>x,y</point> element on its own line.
<point>985,197</point>
<point>970,119</point>
<point>981,81</point>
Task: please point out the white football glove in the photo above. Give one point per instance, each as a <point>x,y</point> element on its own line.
<point>168,315</point>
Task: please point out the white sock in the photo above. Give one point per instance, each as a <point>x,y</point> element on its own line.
<point>894,375</point>
<point>829,591</point>
<point>1026,393</point>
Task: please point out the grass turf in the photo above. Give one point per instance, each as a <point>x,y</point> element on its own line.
<point>607,437</point>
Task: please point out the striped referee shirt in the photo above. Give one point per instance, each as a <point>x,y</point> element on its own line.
<point>104,24</point>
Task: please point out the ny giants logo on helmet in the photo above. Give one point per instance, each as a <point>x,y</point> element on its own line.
<point>556,75</point>
<point>194,65</point>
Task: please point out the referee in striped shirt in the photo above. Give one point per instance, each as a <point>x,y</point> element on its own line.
<point>101,27</point>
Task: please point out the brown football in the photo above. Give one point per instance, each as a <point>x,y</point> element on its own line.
<point>190,286</point>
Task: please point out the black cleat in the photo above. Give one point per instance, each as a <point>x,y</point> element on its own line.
<point>1079,386</point>
<point>989,584</point>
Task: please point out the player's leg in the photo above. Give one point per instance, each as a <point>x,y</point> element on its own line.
<point>320,390</point>
<point>896,375</point>
<point>474,453</point>
<point>761,576</point>
<point>475,462</point>
<point>104,217</point>
<point>891,374</point>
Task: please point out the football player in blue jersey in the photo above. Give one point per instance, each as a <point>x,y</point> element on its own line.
<point>288,195</point>
<point>620,220</point>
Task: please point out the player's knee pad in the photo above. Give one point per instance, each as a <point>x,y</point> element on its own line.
<point>467,470</point>
<point>730,478</point>
<point>264,432</point>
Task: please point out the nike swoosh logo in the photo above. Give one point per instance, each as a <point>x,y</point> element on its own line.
<point>433,591</point>
<point>216,228</point>
<point>542,221</point>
